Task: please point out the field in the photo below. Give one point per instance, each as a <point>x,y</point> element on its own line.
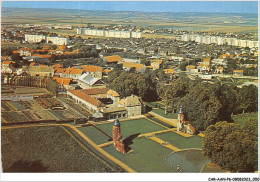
<point>210,22</point>
<point>147,156</point>
<point>46,149</point>
<point>180,141</point>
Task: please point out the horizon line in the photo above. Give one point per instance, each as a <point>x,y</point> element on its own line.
<point>130,10</point>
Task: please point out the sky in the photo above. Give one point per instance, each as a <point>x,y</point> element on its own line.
<point>144,6</point>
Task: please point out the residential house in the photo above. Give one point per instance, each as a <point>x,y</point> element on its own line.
<point>39,70</point>
<point>156,64</point>
<point>113,95</point>
<point>87,81</point>
<point>112,59</point>
<point>238,72</point>
<point>64,83</point>
<point>169,71</point>
<point>133,105</point>
<point>191,69</point>
<point>219,70</point>
<point>94,71</point>
<point>138,67</point>
<point>24,51</point>
<point>206,62</point>
<point>73,72</point>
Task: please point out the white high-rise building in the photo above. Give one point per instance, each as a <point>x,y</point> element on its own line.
<point>111,33</point>
<point>34,38</point>
<point>57,40</point>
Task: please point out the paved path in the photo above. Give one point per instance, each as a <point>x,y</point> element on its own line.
<point>164,144</point>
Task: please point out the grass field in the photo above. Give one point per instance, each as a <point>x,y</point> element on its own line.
<point>241,119</point>
<point>180,141</point>
<point>147,156</point>
<point>95,135</point>
<point>132,127</point>
<point>169,115</point>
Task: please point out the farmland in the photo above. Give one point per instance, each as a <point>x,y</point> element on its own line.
<point>178,21</point>
<point>56,152</point>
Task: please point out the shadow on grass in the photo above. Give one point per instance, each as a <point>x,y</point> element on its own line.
<point>129,140</point>
<point>26,167</point>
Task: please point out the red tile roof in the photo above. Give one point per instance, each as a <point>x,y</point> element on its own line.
<point>62,81</point>
<point>7,62</point>
<point>114,58</point>
<point>83,95</point>
<point>90,68</point>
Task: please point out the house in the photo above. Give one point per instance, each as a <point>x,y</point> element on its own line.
<point>25,51</point>
<point>94,71</point>
<point>114,96</point>
<point>112,59</point>
<point>169,71</point>
<point>7,67</point>
<point>190,68</point>
<point>64,83</point>
<point>133,105</point>
<point>87,81</point>
<point>225,56</point>
<point>39,70</point>
<point>156,64</point>
<point>206,62</point>
<point>73,72</point>
<point>219,70</point>
<point>138,67</point>
<point>93,98</point>
<point>238,72</point>
<point>82,97</point>
<point>6,64</point>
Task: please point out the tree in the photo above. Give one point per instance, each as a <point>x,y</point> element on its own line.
<point>183,66</point>
<point>133,83</point>
<point>248,96</point>
<point>227,145</point>
<point>6,52</point>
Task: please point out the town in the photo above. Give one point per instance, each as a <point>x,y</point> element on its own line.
<point>114,92</point>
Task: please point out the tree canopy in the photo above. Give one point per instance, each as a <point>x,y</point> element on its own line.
<point>231,147</point>
<point>127,83</point>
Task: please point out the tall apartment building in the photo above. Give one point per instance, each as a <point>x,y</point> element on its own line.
<point>110,33</point>
<point>219,40</point>
<point>57,40</point>
<point>34,38</point>
<point>39,38</point>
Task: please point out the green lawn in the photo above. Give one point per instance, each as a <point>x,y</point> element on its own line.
<point>161,113</point>
<point>180,141</point>
<point>147,156</point>
<point>131,127</point>
<point>95,135</point>
<point>241,119</point>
